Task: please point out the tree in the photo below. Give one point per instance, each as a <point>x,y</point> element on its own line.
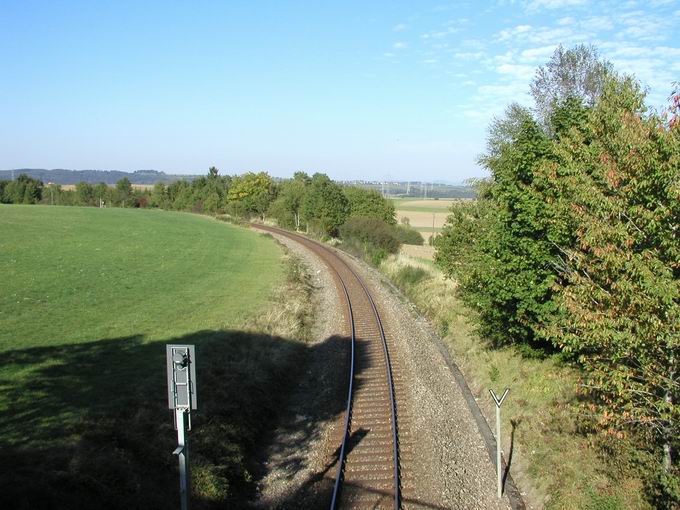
<point>102,192</point>
<point>85,194</point>
<point>367,203</point>
<point>123,191</point>
<point>577,72</point>
<point>622,302</point>
<point>325,207</point>
<point>255,191</point>
<point>213,172</point>
<point>3,185</point>
<point>287,207</point>
<point>23,190</point>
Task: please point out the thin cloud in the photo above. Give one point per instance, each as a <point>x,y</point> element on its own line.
<point>554,4</point>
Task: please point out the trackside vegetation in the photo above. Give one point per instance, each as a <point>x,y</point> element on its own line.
<point>89,298</point>
<point>572,250</point>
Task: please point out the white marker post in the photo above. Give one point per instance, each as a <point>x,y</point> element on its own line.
<point>499,473</point>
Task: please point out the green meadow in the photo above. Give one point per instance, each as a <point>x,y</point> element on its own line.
<point>72,275</point>
<point>88,297</point>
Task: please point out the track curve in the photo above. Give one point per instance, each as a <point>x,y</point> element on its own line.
<point>368,474</point>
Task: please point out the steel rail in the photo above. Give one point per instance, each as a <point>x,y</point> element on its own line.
<point>348,413</point>
<point>393,405</point>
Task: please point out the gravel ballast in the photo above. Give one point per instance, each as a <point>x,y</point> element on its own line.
<point>447,465</point>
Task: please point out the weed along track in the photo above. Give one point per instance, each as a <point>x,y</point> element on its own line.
<point>368,471</point>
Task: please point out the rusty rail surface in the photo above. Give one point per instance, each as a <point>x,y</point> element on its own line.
<point>368,462</point>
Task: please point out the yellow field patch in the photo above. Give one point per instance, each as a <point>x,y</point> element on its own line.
<point>423,219</point>
<point>435,204</point>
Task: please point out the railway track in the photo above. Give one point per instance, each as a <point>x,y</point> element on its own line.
<point>368,469</point>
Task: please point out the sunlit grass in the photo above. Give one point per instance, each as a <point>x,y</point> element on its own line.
<point>74,274</point>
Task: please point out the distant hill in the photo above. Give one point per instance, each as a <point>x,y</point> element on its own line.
<point>62,176</point>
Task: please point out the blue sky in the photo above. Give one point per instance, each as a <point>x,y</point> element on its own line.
<point>360,90</point>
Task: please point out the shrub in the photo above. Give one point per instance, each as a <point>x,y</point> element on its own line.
<point>408,276</point>
<point>370,232</point>
<point>408,235</point>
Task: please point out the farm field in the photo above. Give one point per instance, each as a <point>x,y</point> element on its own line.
<point>423,213</point>
<point>89,297</point>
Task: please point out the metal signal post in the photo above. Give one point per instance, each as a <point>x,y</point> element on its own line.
<point>181,371</point>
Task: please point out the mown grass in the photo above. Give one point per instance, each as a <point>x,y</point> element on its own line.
<point>557,464</point>
<point>74,274</point>
<point>88,299</point>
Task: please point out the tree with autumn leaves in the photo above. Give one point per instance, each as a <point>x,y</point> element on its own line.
<point>575,245</point>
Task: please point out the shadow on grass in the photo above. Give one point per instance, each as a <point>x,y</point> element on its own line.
<point>87,426</point>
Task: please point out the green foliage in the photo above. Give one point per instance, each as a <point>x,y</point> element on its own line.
<point>287,208</point>
<point>621,300</point>
<point>325,206</point>
<point>85,194</point>
<point>370,233</point>
<point>367,203</point>
<point>123,192</point>
<point>573,242</point>
<point>408,276</point>
<point>254,191</point>
<point>408,235</point>
<point>598,501</point>
<point>502,248</point>
<point>22,190</point>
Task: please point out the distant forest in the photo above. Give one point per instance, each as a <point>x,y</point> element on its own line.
<point>61,176</point>
<point>411,189</point>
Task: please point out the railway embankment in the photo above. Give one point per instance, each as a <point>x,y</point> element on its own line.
<point>443,460</point>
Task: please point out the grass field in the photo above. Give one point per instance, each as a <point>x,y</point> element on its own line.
<point>89,297</point>
<point>74,275</point>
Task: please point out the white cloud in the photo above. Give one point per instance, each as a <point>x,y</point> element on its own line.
<point>399,27</point>
<point>553,4</point>
<point>510,33</point>
<point>566,21</point>
<point>540,54</point>
<point>521,71</point>
<point>598,23</point>
<point>469,55</point>
<point>400,45</point>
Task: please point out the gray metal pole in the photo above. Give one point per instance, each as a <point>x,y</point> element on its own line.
<point>498,451</point>
<point>182,452</point>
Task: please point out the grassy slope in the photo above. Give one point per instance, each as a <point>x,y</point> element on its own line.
<point>558,467</point>
<point>75,275</point>
<point>88,297</point>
